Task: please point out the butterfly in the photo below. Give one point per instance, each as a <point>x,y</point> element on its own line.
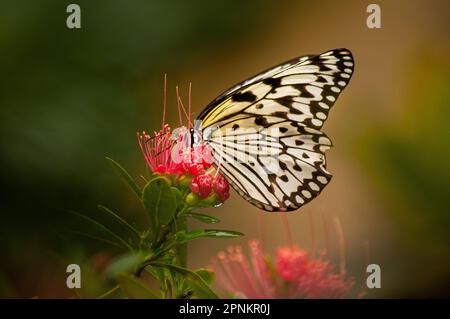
<point>265,135</point>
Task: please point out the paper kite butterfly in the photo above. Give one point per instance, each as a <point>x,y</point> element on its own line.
<point>265,132</point>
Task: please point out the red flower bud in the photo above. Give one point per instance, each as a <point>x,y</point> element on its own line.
<point>202,185</point>
<point>222,188</point>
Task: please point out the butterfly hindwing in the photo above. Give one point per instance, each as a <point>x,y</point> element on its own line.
<point>266,137</point>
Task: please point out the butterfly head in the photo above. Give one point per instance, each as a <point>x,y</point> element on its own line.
<point>195,137</point>
<point>187,137</point>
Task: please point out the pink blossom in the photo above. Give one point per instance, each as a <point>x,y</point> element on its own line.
<point>157,150</point>
<point>242,277</point>
<point>173,153</point>
<point>202,185</point>
<point>164,155</point>
<point>295,275</point>
<point>222,188</point>
<point>194,159</point>
<point>291,262</point>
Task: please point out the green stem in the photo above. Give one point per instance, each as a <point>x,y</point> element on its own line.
<point>108,292</point>
<point>181,249</point>
<point>178,223</point>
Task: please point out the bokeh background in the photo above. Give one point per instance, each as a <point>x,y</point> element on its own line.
<point>69,98</point>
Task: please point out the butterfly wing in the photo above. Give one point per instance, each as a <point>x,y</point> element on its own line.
<point>265,132</point>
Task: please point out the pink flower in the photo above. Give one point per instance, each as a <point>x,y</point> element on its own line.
<point>222,188</point>
<point>164,155</point>
<point>193,159</point>
<point>157,150</point>
<point>202,185</point>
<point>173,153</point>
<point>291,262</point>
<point>309,277</point>
<point>292,273</point>
<point>242,277</point>
<point>295,274</point>
<point>205,185</point>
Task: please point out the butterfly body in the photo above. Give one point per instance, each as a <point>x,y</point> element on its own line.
<point>265,132</point>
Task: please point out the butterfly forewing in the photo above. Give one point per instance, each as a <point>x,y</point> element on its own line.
<point>265,132</point>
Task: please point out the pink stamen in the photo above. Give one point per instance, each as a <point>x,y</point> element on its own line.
<point>298,274</point>
<point>245,285</point>
<point>184,110</point>
<point>189,105</point>
<point>222,278</point>
<point>260,268</point>
<point>233,280</point>
<point>179,107</point>
<point>165,100</point>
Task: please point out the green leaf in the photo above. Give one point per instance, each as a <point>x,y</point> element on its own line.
<point>159,202</point>
<point>134,288</point>
<point>196,281</point>
<point>204,218</point>
<point>104,229</point>
<point>126,177</point>
<point>120,220</point>
<point>183,236</point>
<point>90,236</point>
<point>207,276</point>
<point>126,263</point>
<point>177,193</point>
<point>178,197</point>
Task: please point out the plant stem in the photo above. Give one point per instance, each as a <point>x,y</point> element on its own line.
<point>181,249</point>
<point>108,292</point>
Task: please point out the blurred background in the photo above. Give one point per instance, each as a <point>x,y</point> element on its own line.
<point>69,98</point>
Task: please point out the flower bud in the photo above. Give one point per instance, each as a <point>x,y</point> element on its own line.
<point>210,201</point>
<point>222,188</point>
<point>202,185</point>
<point>185,180</point>
<point>192,199</point>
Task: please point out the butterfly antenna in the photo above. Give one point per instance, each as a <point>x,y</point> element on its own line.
<point>189,103</point>
<point>184,110</point>
<point>165,101</point>
<point>179,107</point>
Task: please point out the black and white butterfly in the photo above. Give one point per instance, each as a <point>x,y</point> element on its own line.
<point>292,99</point>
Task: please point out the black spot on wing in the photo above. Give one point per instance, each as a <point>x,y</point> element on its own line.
<point>244,97</point>
<point>274,82</point>
<point>261,120</point>
<point>280,114</point>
